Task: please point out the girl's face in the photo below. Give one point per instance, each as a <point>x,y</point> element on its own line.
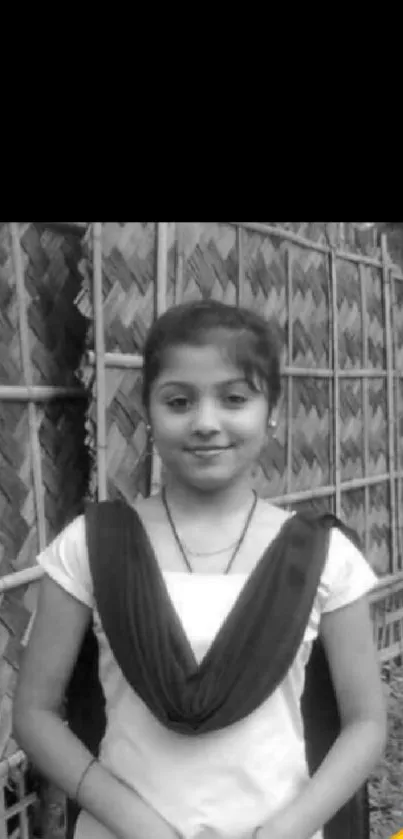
<point>208,425</point>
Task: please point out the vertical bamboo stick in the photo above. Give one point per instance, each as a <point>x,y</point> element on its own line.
<point>365,405</point>
<point>162,262</point>
<point>398,413</point>
<point>99,362</point>
<point>289,361</point>
<point>24,823</point>
<point>179,278</point>
<point>240,286</point>
<point>27,371</point>
<point>160,306</point>
<point>336,387</point>
<point>391,418</point>
<point>399,451</point>
<point>3,822</point>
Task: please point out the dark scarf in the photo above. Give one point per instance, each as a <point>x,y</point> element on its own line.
<point>248,658</point>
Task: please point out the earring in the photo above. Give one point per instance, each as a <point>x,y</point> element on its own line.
<point>149,433</point>
<point>272,428</point>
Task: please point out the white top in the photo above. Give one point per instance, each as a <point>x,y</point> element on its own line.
<point>225,783</point>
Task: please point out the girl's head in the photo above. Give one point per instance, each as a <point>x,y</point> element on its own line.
<point>211,378</point>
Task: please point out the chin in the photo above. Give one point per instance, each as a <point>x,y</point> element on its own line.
<point>210,483</point>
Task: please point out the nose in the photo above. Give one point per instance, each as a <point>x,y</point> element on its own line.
<point>205,419</point>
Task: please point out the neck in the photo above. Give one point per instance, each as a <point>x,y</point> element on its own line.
<point>199,505</point>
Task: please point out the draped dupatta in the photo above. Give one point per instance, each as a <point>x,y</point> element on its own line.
<point>248,658</point>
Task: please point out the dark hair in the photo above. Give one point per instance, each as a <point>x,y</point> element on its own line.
<point>246,336</point>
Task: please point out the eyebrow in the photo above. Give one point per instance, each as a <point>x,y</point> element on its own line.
<point>226,382</point>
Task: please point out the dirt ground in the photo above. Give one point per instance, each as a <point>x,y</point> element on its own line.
<point>386,788</point>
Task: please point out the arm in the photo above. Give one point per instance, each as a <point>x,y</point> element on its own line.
<point>347,637</point>
<point>47,664</point>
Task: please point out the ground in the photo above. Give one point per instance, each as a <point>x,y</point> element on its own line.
<point>386,787</point>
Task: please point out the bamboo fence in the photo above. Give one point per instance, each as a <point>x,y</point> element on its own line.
<point>43,459</point>
<point>339,313</point>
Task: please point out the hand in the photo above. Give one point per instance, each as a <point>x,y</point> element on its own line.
<point>276,828</point>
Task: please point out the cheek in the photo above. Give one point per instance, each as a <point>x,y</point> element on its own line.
<point>252,422</point>
<point>167,425</point>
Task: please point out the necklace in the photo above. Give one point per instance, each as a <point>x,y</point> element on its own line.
<point>209,553</point>
<point>238,543</point>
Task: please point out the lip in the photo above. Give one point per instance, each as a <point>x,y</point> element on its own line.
<point>205,453</point>
<point>209,448</point>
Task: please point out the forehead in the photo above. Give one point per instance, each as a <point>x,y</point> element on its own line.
<point>206,365</point>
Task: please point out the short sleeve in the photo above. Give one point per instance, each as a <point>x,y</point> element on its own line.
<point>65,560</point>
<point>346,577</point>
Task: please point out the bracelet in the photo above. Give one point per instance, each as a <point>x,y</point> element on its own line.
<point>83,776</point>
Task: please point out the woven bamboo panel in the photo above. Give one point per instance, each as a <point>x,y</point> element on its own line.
<point>128,289</point>
<point>210,262</point>
<point>375,318</point>
<point>56,340</point>
<point>350,316</point>
<point>387,614</point>
<point>310,309</point>
<point>203,262</point>
<point>127,460</point>
<point>128,273</point>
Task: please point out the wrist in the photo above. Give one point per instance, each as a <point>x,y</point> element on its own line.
<point>280,826</point>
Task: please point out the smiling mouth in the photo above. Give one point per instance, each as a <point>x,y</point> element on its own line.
<point>209,449</point>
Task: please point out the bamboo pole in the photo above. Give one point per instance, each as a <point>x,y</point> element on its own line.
<point>336,385</point>
<point>162,273</point>
<point>289,358</point>
<point>269,230</point>
<point>391,417</point>
<point>99,362</point>
<point>330,489</point>
<point>17,809</point>
<point>27,371</point>
<point>324,373</point>
<point>118,360</point>
<point>398,413</point>
<point>365,405</point>
<point>281,232</point>
<point>39,393</point>
<point>179,268</point>
<point>240,285</point>
<point>387,585</point>
<point>160,306</point>
<point>21,578</point>
<point>24,802</point>
<point>134,361</point>
<point>3,822</point>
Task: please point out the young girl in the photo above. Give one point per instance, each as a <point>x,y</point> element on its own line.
<point>198,741</point>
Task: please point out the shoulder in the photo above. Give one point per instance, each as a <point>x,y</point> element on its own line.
<point>346,576</point>
<point>148,509</point>
<point>65,559</point>
<point>70,539</point>
<point>270,516</point>
<point>266,526</point>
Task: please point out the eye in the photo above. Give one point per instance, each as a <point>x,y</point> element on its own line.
<point>237,399</point>
<point>178,403</point>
